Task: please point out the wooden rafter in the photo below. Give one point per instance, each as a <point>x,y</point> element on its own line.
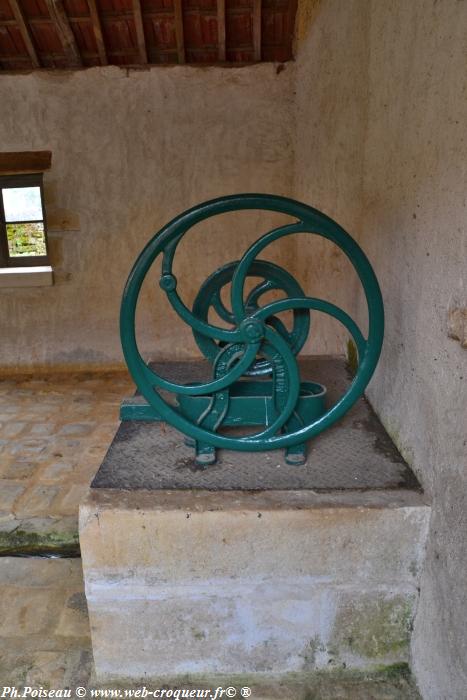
<point>140,39</point>
<point>25,33</point>
<point>221,30</point>
<point>178,16</point>
<point>257,30</point>
<point>97,29</point>
<point>68,37</point>
<point>60,20</point>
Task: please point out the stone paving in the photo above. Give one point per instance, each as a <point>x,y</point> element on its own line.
<point>54,432</point>
<point>44,634</point>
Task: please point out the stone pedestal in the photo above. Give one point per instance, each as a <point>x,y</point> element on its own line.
<point>230,582</point>
<point>252,566</point>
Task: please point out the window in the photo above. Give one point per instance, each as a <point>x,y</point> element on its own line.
<point>23,231</point>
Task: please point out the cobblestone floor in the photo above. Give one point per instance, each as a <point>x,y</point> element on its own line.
<point>54,432</point>
<point>44,634</point>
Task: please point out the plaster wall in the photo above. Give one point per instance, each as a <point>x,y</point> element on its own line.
<point>384,108</point>
<point>131,150</point>
<point>414,229</point>
<point>331,106</point>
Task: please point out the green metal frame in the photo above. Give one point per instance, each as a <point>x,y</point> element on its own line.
<point>255,330</point>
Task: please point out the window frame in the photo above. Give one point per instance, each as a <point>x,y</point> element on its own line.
<point>7,260</point>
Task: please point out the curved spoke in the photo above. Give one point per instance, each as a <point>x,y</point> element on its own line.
<point>203,327</point>
<point>277,324</point>
<point>206,329</point>
<point>169,254</point>
<point>258,291</point>
<point>318,305</point>
<point>241,272</point>
<point>221,309</point>
<point>232,375</point>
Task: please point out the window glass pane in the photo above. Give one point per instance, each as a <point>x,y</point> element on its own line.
<point>25,239</point>
<point>22,203</point>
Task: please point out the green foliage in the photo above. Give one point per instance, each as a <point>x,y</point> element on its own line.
<point>352,357</point>
<point>23,543</point>
<point>26,239</point>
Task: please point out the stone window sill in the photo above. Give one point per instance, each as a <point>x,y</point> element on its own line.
<point>41,276</point>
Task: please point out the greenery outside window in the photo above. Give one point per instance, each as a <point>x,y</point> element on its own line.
<point>23,230</point>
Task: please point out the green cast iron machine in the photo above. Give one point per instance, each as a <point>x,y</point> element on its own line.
<point>255,375</point>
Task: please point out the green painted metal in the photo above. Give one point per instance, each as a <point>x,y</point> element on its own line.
<point>137,408</point>
<point>275,278</point>
<point>256,343</point>
<point>252,403</point>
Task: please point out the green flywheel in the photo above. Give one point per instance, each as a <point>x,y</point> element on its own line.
<point>255,374</point>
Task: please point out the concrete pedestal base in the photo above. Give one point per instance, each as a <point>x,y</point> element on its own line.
<point>230,582</point>
<point>252,566</point>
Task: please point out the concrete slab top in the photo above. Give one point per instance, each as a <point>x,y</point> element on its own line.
<point>355,454</point>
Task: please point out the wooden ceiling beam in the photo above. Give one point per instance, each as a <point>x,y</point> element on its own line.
<point>140,38</point>
<point>67,38</point>
<point>257,30</point>
<point>221,30</point>
<point>97,29</point>
<point>25,33</point>
<point>179,35</point>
